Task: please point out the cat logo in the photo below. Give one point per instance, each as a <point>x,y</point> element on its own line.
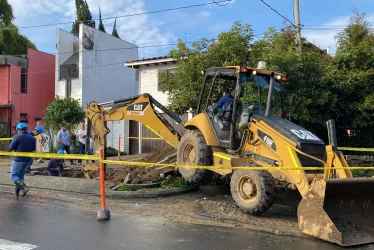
<point>138,107</point>
<point>305,135</point>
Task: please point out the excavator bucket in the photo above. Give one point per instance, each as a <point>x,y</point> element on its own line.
<point>339,211</point>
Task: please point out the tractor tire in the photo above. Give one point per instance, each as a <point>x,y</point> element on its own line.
<point>253,191</point>
<point>193,151</point>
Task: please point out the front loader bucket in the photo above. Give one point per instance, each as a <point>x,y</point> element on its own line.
<point>339,211</point>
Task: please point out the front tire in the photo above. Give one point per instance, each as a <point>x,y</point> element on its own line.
<point>194,151</point>
<point>253,191</point>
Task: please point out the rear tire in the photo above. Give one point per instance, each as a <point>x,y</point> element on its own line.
<point>253,191</point>
<point>193,151</point>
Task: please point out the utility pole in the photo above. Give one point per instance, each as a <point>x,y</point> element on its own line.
<point>297,24</point>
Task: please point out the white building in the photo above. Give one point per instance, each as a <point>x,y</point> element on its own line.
<point>90,68</point>
<point>148,71</point>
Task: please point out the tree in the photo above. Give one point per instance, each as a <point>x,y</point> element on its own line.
<point>67,111</point>
<point>351,74</point>
<point>114,32</point>
<point>184,85</point>
<point>6,12</point>
<point>305,76</point>
<point>83,16</point>
<point>11,41</point>
<point>101,25</point>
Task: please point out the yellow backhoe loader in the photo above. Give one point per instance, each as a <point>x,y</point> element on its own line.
<point>252,132</point>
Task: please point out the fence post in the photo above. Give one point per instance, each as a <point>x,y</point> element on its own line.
<point>104,213</point>
<point>119,146</point>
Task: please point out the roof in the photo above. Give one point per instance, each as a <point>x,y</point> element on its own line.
<point>5,106</point>
<point>151,60</point>
<point>232,70</point>
<point>13,60</point>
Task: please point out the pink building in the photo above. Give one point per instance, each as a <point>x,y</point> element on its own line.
<point>27,86</point>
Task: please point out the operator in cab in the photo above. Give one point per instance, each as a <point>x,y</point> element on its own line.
<point>225,100</point>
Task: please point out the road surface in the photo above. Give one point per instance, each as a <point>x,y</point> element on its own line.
<point>36,223</point>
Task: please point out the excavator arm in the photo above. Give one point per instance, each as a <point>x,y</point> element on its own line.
<point>141,108</point>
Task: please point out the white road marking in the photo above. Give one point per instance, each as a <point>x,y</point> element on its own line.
<point>11,245</point>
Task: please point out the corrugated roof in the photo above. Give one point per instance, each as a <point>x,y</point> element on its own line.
<point>150,59</point>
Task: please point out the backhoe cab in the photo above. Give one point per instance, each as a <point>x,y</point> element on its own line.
<point>253,133</point>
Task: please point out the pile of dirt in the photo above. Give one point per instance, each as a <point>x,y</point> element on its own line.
<point>117,174</point>
<point>143,174</point>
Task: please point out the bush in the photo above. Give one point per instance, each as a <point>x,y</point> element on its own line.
<point>173,182</point>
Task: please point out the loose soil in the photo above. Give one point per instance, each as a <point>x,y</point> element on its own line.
<point>143,174</point>
<point>117,174</point>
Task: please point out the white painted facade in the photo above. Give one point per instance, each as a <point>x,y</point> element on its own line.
<point>148,71</point>
<point>90,68</point>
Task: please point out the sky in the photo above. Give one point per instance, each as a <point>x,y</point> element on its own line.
<point>321,19</point>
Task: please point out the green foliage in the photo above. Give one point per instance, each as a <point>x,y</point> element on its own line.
<point>351,73</point>
<point>11,41</point>
<point>67,111</point>
<point>101,25</point>
<point>123,188</point>
<point>83,16</point>
<point>305,75</point>
<point>230,49</point>
<point>114,31</point>
<point>6,12</point>
<point>173,182</point>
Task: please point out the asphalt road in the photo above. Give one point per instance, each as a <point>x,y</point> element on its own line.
<point>34,223</point>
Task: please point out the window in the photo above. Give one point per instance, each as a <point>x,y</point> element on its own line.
<point>163,74</point>
<point>68,88</point>
<point>23,81</point>
<point>23,118</point>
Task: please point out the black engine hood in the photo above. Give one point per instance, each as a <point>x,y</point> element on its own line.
<point>290,130</point>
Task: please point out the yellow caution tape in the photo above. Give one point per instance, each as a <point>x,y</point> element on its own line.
<point>51,155</point>
<point>139,164</point>
<point>146,164</point>
<point>6,139</point>
<point>357,149</point>
<point>146,138</point>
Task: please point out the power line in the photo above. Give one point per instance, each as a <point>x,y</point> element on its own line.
<point>122,16</point>
<point>285,18</point>
<point>228,1</point>
<point>138,47</point>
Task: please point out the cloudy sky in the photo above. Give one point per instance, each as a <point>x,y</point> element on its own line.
<point>321,19</point>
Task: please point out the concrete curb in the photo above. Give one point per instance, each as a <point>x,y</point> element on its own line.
<point>92,187</point>
<point>149,193</point>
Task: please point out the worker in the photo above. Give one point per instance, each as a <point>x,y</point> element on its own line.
<point>22,142</point>
<point>225,100</point>
<point>82,138</point>
<point>56,166</point>
<point>35,132</point>
<point>63,137</point>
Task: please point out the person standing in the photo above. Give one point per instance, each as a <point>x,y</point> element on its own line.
<point>82,138</point>
<point>37,131</point>
<point>56,166</point>
<point>22,142</point>
<point>63,138</point>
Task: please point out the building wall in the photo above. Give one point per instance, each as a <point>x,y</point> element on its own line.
<point>104,78</point>
<point>148,82</point>
<point>66,44</point>
<point>41,85</point>
<point>4,85</point>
